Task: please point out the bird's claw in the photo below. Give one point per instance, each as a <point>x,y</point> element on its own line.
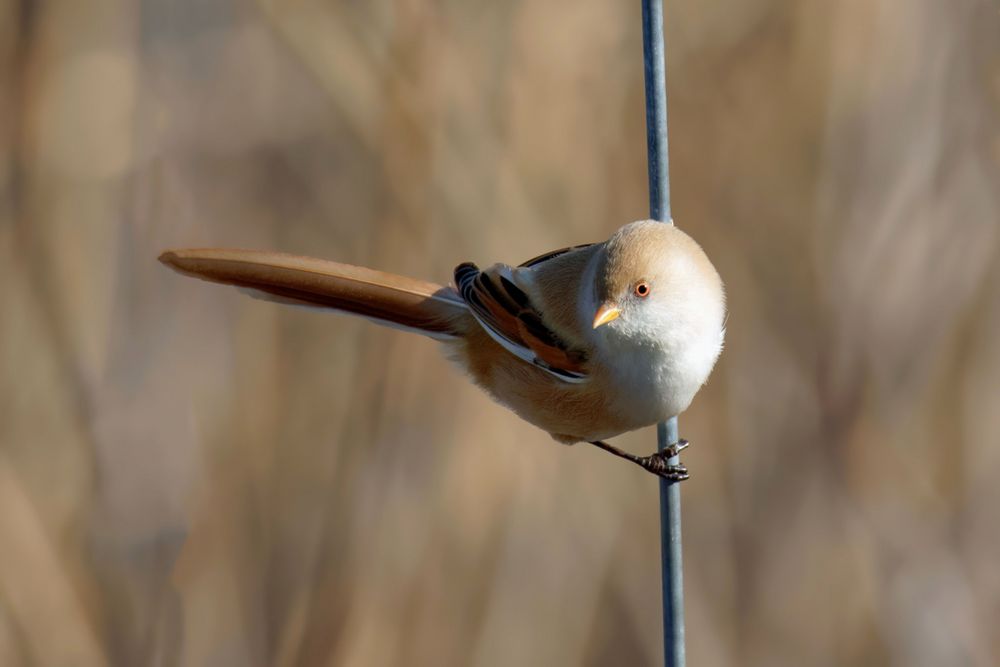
<point>659,463</point>
<point>675,449</point>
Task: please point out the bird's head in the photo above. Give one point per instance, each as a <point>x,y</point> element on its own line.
<point>653,283</point>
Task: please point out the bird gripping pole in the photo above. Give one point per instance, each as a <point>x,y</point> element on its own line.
<point>659,209</point>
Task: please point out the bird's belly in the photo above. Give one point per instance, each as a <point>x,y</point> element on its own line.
<point>570,412</point>
<point>660,387</point>
<point>616,398</point>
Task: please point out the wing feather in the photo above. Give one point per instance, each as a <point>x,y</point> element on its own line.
<point>506,313</point>
<point>534,261</point>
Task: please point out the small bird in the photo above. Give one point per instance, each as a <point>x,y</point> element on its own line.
<point>585,342</point>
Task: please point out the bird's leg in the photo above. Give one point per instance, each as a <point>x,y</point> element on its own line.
<point>657,463</point>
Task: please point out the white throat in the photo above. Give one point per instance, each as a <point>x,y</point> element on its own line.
<point>659,364</point>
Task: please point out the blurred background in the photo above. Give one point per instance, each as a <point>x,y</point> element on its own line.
<point>192,477</point>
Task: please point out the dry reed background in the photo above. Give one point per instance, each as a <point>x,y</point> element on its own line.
<point>188,476</point>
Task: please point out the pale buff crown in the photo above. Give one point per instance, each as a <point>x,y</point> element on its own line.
<point>656,253</point>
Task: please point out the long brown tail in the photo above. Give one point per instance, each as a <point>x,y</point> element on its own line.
<point>427,308</point>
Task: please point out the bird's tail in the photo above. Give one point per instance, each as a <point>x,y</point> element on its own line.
<point>397,301</point>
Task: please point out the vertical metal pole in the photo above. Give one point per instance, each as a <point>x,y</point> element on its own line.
<point>656,110</point>
<point>659,209</point>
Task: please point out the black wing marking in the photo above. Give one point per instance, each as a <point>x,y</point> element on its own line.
<point>507,315</point>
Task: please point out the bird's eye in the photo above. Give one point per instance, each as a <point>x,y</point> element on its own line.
<point>642,289</point>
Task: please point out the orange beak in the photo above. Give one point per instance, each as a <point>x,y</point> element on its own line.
<point>606,313</point>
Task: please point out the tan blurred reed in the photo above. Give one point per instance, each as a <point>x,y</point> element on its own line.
<point>191,477</point>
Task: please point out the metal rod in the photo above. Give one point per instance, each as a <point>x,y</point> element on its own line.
<point>656,110</point>
<point>659,209</point>
<point>671,562</point>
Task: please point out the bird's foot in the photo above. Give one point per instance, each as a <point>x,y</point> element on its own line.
<point>659,463</point>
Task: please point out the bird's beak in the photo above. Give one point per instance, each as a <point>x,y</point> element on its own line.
<point>606,313</point>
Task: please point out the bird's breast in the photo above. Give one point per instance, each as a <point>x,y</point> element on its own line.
<point>653,382</point>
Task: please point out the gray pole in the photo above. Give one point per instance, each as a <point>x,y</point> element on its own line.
<point>659,209</point>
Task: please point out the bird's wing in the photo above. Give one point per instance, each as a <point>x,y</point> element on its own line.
<point>508,316</point>
<point>534,261</point>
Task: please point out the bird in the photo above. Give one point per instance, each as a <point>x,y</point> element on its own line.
<point>586,342</point>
